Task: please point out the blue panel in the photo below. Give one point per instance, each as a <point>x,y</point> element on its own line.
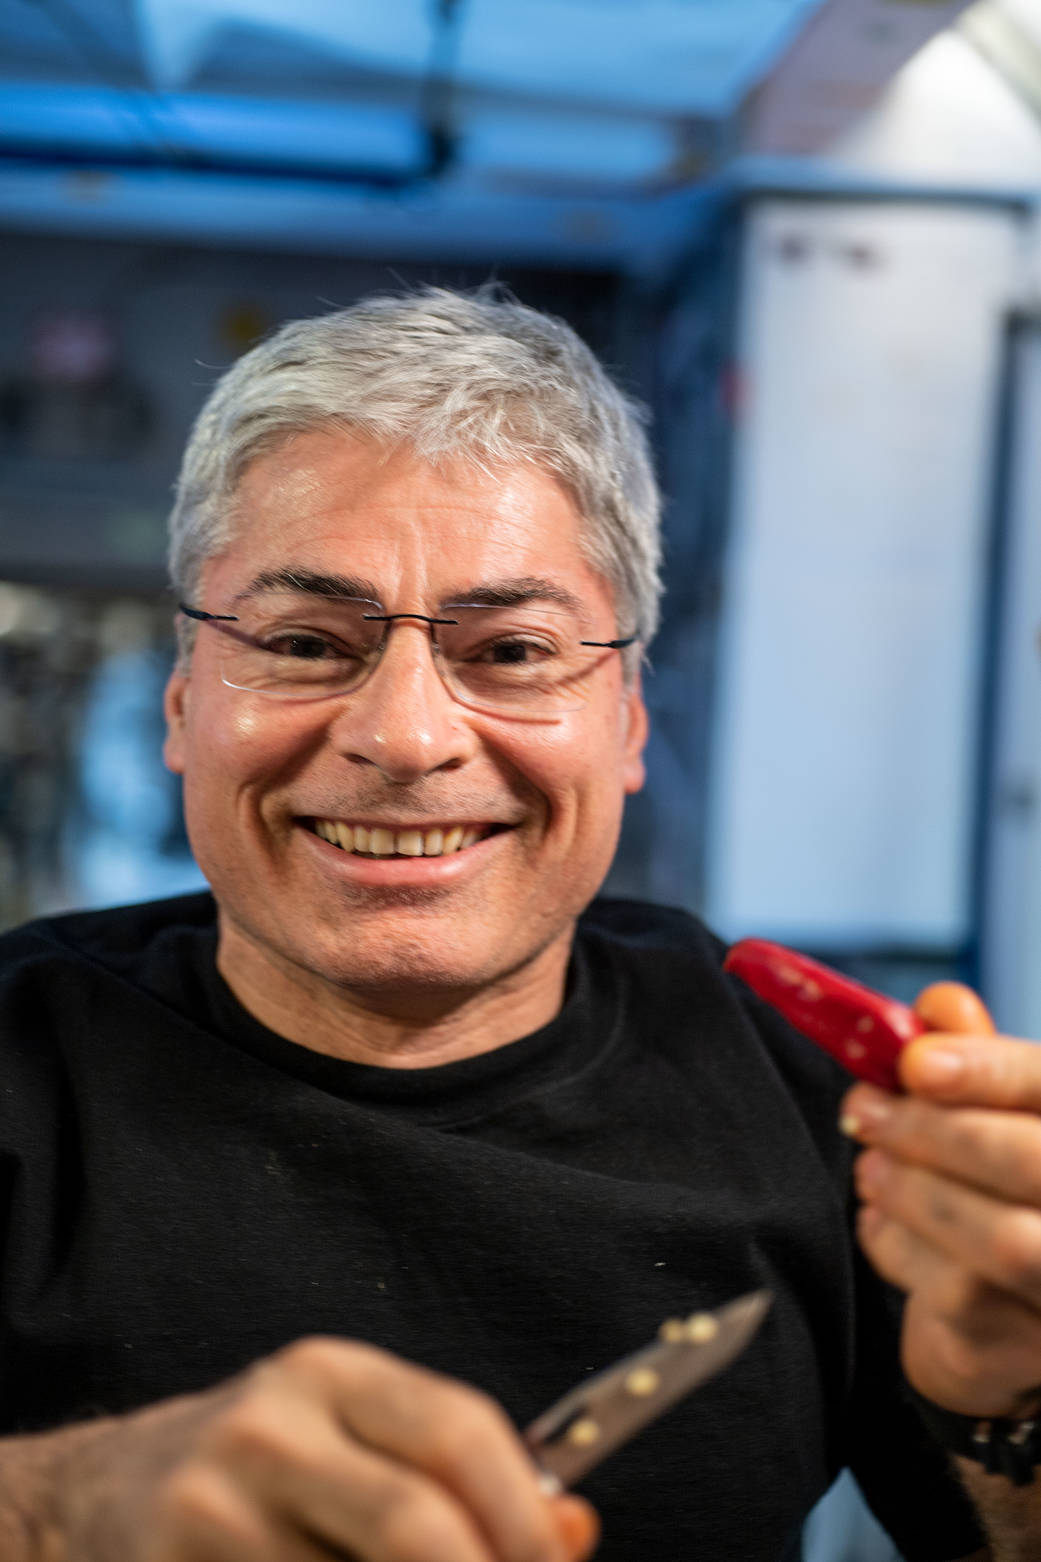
<point>666,56</point>
<point>391,35</point>
<point>569,121</point>
<point>457,224</point>
<point>312,132</point>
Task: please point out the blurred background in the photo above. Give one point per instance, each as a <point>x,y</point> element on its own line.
<point>805,232</point>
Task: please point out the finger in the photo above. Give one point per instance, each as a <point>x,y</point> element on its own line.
<point>998,1071</point>
<point>578,1526</point>
<point>951,1006</point>
<point>446,1430</point>
<point>990,1238</point>
<point>966,1344</point>
<point>982,1313</point>
<point>293,1462</point>
<point>205,1532</point>
<point>203,1517</point>
<point>200,1514</point>
<point>994,1151</point>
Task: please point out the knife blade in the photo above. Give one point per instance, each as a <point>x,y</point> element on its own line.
<point>602,1413</point>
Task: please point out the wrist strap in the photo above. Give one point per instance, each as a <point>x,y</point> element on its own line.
<point>1003,1447</point>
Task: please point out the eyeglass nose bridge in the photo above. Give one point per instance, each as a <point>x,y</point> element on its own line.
<point>391,618</point>
<point>423,618</point>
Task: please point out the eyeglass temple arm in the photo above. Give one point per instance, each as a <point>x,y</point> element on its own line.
<point>197,612</point>
<point>612,645</point>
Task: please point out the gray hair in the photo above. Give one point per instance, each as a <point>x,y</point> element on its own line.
<point>450,374</point>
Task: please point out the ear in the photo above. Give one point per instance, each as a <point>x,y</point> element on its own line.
<point>175,708</point>
<point>636,727</point>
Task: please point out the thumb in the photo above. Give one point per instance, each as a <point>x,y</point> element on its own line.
<point>578,1526</point>
<point>952,1007</point>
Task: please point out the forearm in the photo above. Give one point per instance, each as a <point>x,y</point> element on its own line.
<point>82,1493</point>
<point>33,1470</point>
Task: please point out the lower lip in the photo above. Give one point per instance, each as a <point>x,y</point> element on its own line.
<point>406,871</point>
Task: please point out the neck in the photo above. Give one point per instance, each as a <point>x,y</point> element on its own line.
<point>392,1028</point>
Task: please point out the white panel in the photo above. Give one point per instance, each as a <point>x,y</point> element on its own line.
<point>1012,931</point>
<point>948,119</point>
<point>843,766</point>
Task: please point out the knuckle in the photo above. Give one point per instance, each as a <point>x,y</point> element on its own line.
<point>956,1296</point>
<point>317,1359</point>
<point>314,1353</point>
<point>254,1429</point>
<point>958,1361</point>
<point>1016,1248</point>
<point>187,1493</point>
<point>415,1526</point>
<point>1023,1152</point>
<point>912,1122</point>
<point>475,1412</point>
<point>466,1423</point>
<point>195,1500</point>
<point>966,1135</point>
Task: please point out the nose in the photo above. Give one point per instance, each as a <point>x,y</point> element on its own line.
<point>403,719</point>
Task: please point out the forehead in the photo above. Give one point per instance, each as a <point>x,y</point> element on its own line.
<point>334,501</point>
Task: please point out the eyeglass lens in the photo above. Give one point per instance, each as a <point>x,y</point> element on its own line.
<point>294,646</point>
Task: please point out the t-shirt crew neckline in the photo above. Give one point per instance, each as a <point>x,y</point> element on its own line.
<point>578,1037</point>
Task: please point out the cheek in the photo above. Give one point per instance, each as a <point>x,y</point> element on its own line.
<point>246,734</point>
<point>234,746</point>
<point>576,765</point>
<point>249,730</point>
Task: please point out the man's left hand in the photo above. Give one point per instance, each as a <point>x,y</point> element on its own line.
<point>951,1190</point>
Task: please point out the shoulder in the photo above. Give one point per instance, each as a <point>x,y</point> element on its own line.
<point>116,942</point>
<point>672,964</point>
<point>78,990</point>
<point>114,929</point>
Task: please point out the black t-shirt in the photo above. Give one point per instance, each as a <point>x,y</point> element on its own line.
<point>182,1191</point>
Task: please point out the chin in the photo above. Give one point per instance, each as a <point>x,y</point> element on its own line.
<point>410,960</point>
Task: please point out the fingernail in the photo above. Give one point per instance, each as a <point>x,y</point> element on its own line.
<point>935,1066</point>
<point>864,1113</point>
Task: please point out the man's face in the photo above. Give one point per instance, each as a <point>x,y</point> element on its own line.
<point>399,753</point>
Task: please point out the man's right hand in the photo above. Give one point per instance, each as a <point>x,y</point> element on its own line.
<point>328,1450</point>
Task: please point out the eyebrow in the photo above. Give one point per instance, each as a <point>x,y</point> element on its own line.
<point>311,583</point>
<point>512,592</point>
<point>515,592</point>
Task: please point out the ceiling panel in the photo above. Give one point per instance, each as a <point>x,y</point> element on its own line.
<point>565,122</point>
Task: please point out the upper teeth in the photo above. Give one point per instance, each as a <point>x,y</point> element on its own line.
<point>379,842</point>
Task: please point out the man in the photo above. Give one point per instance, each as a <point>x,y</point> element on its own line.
<point>317,1189</point>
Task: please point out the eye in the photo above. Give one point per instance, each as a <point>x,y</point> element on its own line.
<point>305,646</point>
<point>516,651</point>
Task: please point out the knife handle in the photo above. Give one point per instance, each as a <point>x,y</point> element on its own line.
<point>863,1029</point>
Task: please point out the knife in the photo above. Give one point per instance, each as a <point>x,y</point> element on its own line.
<point>603,1412</point>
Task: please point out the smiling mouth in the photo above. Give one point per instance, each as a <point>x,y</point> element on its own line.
<point>362,840</point>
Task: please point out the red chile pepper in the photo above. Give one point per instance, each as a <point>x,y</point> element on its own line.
<point>863,1029</point>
